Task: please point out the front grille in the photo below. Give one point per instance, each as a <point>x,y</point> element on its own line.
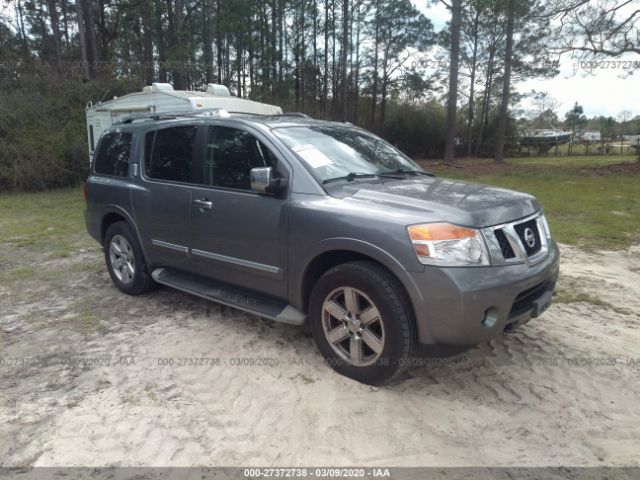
<point>505,246</point>
<point>529,236</point>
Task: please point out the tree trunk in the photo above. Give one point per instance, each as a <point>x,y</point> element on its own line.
<point>43,29</point>
<point>296,58</point>
<point>239,54</point>
<point>356,80</point>
<point>103,33</point>
<point>146,17</point>
<point>452,99</point>
<point>65,21</point>
<point>374,86</point>
<point>250,54</point>
<point>219,40</point>
<point>472,81</point>
<point>90,36</point>
<point>281,40</point>
<point>325,80</point>
<point>160,41</point>
<point>315,52</point>
<point>345,51</point>
<point>57,39</point>
<point>383,93</point>
<point>334,70</point>
<point>23,35</point>
<point>84,60</point>
<point>486,100</point>
<point>175,26</point>
<point>506,84</point>
<point>303,59</point>
<point>274,48</point>
<point>207,41</point>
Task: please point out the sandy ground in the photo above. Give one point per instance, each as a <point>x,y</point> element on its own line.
<point>92,377</point>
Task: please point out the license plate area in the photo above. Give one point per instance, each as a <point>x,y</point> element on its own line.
<point>541,304</point>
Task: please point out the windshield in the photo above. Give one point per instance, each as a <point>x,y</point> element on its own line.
<point>337,152</point>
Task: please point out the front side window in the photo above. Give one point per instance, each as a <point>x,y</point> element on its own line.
<point>334,152</point>
<point>230,155</point>
<point>112,157</point>
<point>169,153</point>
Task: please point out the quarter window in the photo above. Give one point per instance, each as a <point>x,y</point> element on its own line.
<point>169,153</point>
<point>230,155</point>
<point>112,157</point>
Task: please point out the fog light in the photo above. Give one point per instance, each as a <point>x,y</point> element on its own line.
<point>490,317</point>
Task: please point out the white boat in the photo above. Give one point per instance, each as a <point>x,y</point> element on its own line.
<point>546,137</point>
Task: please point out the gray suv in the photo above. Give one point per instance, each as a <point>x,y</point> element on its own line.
<point>321,223</point>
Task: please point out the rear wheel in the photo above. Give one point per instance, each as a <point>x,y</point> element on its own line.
<point>362,323</point>
<point>125,261</point>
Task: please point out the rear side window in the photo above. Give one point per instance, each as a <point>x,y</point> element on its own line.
<point>169,153</point>
<point>112,157</point>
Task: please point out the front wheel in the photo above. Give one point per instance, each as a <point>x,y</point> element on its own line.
<point>362,322</point>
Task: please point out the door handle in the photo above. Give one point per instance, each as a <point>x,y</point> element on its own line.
<point>203,204</point>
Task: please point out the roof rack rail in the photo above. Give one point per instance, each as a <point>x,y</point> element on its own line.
<point>207,112</point>
<point>295,114</point>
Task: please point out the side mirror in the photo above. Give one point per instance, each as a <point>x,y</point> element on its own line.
<point>263,181</point>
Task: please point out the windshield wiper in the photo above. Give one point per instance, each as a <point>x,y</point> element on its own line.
<point>353,175</point>
<point>402,171</point>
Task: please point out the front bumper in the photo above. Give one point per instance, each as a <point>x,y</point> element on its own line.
<point>467,306</point>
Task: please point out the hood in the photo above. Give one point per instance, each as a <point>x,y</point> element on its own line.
<point>438,199</point>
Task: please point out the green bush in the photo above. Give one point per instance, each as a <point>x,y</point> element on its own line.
<point>43,141</point>
<point>417,130</point>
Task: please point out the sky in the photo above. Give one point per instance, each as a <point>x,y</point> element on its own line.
<point>605,91</point>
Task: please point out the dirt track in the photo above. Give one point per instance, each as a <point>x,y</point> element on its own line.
<point>90,376</point>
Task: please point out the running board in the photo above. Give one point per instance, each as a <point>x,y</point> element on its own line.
<point>236,297</point>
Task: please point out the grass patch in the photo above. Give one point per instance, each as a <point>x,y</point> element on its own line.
<point>128,397</point>
<point>593,211</point>
<point>86,318</point>
<point>566,296</point>
<point>304,378</point>
<point>37,229</point>
<point>17,274</point>
<point>575,161</point>
<point>45,221</point>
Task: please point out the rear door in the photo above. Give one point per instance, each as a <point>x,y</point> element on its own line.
<point>162,204</point>
<point>238,236</point>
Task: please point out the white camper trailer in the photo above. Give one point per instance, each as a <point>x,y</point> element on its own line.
<point>162,98</point>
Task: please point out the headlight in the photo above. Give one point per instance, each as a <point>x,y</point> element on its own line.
<point>448,245</point>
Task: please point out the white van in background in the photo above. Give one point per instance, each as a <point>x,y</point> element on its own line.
<point>162,98</point>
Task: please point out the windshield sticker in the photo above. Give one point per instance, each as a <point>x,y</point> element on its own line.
<point>314,157</point>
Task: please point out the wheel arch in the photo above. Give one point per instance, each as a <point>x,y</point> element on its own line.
<point>335,252</point>
<point>109,219</point>
<point>115,214</point>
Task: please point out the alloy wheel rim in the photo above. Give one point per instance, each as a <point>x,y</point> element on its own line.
<point>353,326</point>
<point>122,259</point>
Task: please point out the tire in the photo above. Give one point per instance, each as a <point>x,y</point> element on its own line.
<point>125,261</point>
<point>375,351</point>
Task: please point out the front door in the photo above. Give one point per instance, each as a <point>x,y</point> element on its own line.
<point>238,236</point>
